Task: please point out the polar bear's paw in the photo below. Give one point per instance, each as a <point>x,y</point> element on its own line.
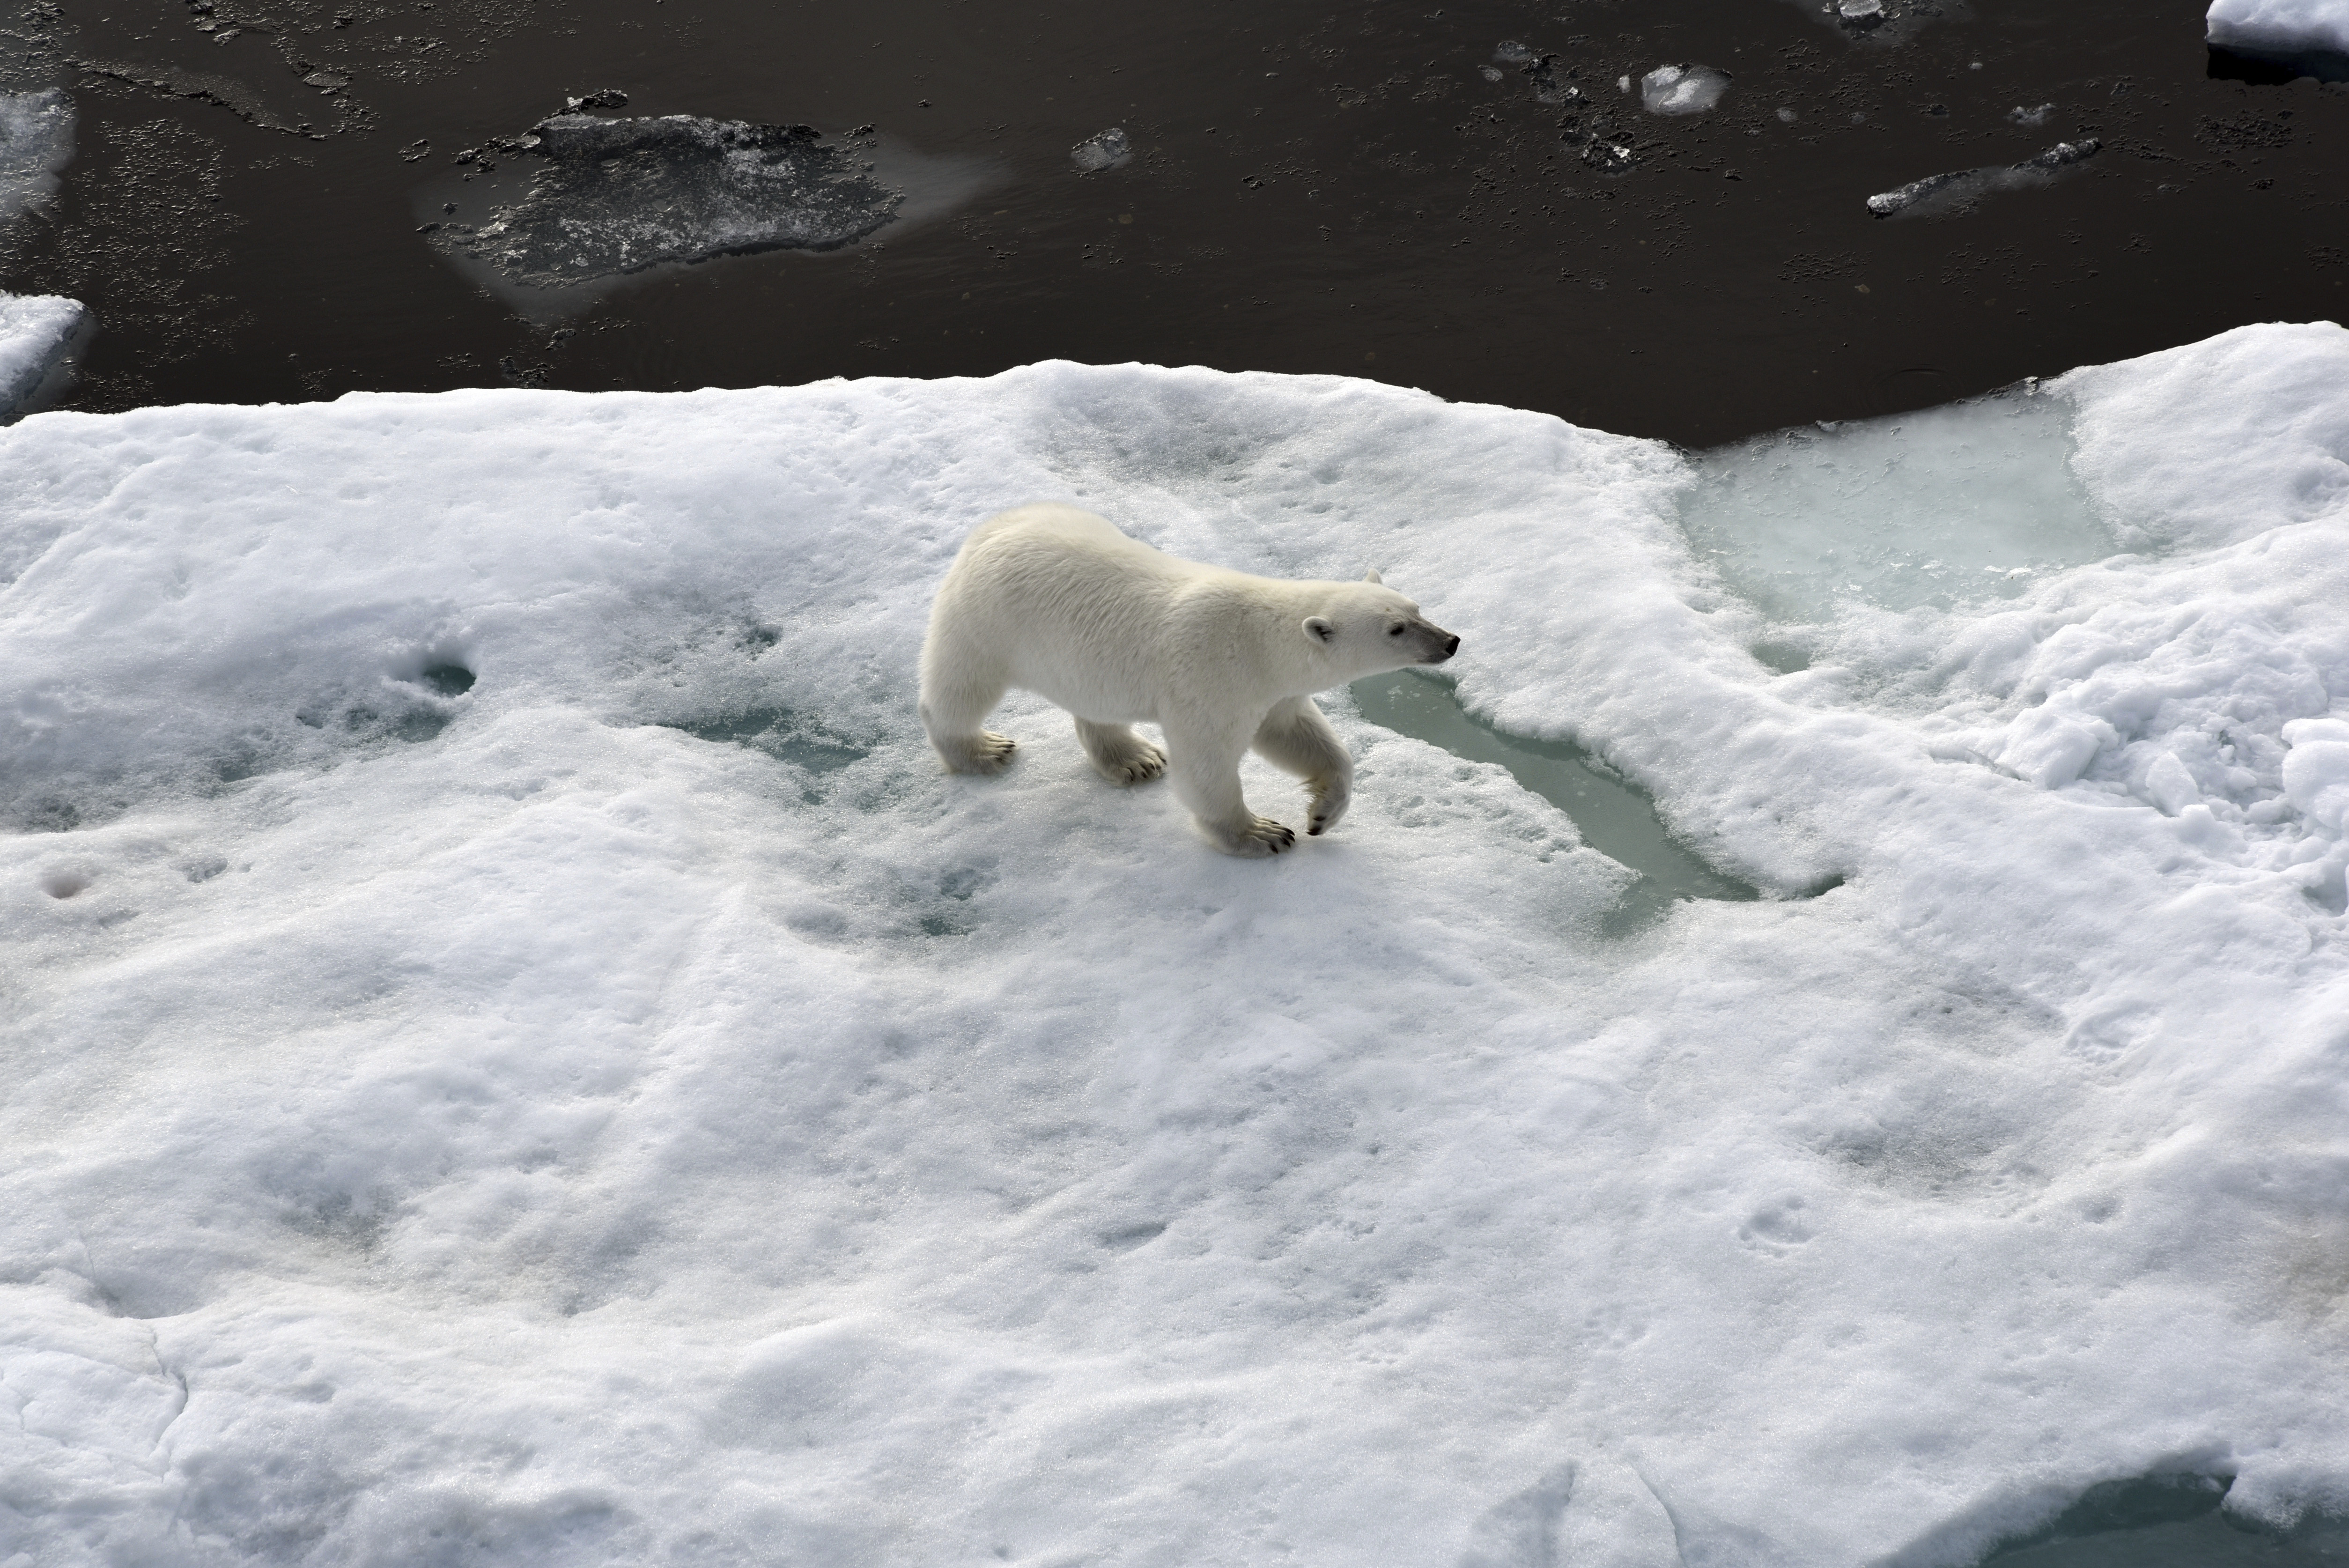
<point>1140,765</point>
<point>1261,839</point>
<point>1148,763</point>
<point>1119,754</point>
<point>1330,798</point>
<point>985,752</point>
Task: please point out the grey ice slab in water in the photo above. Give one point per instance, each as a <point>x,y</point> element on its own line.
<point>1613,818</point>
<point>1106,150</point>
<point>616,196</point>
<point>1940,192</point>
<point>1946,506</point>
<point>38,332</point>
<point>37,140</point>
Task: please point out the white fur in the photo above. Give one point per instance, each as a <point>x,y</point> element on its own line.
<point>1058,602</point>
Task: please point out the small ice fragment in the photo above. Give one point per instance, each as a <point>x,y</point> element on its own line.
<point>2169,785</point>
<point>1787,115</point>
<point>1490,73</point>
<point>2037,116</point>
<point>326,81</point>
<point>1682,89</point>
<point>1964,182</point>
<point>1623,84</point>
<point>1106,150</point>
<point>2060,155</point>
<point>1860,14</point>
<point>1512,51</point>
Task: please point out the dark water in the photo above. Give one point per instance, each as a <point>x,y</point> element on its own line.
<point>1311,188</point>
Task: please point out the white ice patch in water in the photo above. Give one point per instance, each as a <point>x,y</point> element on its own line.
<point>37,140</point>
<point>632,1107</point>
<point>1682,89</point>
<point>34,331</point>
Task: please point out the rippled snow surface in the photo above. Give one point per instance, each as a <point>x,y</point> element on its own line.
<point>514,1053</point>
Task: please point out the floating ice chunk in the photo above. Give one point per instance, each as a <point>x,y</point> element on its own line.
<point>1786,116</point>
<point>2313,34</point>
<point>1512,52</point>
<point>2036,115</point>
<point>1107,150</point>
<point>1860,13</point>
<point>37,140</point>
<point>1682,89</point>
<point>614,196</point>
<point>1942,192</point>
<point>36,330</point>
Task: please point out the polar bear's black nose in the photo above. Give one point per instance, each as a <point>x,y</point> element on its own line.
<point>1451,647</point>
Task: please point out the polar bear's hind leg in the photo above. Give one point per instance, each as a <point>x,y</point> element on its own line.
<point>1119,754</point>
<point>953,704</point>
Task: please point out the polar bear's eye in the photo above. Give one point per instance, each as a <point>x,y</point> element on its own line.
<point>1396,630</point>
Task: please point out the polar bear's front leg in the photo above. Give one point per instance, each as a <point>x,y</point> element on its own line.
<point>1296,738</point>
<point>1206,767</point>
<point>1119,754</point>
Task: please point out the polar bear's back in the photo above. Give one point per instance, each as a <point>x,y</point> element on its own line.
<point>1065,536</point>
<point>1057,600</point>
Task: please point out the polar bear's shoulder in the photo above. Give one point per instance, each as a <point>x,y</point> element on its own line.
<point>1054,521</point>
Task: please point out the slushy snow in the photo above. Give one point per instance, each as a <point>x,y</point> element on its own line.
<point>34,331</point>
<point>2280,29</point>
<point>515,1053</point>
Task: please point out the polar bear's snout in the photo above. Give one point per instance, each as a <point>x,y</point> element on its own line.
<point>1440,644</point>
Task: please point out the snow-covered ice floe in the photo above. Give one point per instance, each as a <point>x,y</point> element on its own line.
<point>35,332</point>
<point>37,140</point>
<point>514,1050</point>
<point>1942,192</point>
<point>2312,35</point>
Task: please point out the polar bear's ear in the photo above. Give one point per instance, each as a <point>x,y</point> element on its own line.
<point>1372,576</point>
<point>1319,630</point>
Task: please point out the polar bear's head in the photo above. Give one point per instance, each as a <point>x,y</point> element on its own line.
<point>1366,629</point>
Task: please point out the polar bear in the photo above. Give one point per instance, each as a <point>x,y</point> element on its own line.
<point>1058,602</point>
